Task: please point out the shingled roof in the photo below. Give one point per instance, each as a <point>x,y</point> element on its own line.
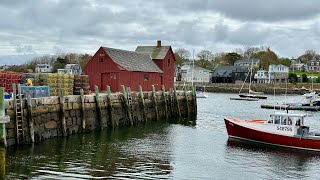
<point>154,51</point>
<point>132,61</point>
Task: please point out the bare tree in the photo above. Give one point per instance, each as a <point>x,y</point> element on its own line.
<point>183,53</point>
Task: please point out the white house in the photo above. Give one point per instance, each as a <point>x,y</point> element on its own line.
<point>43,68</point>
<point>74,69</point>
<point>199,74</point>
<point>262,76</point>
<point>276,74</point>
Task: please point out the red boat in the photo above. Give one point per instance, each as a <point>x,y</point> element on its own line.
<point>282,129</point>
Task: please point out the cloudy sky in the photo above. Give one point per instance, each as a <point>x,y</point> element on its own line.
<point>37,27</point>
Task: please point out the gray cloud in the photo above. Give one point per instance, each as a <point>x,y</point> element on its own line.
<point>47,27</point>
<point>272,10</point>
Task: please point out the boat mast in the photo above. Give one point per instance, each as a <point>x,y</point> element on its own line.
<point>250,75</point>
<point>192,67</point>
<point>245,79</point>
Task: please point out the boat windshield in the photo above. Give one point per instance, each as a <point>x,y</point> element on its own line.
<point>286,119</point>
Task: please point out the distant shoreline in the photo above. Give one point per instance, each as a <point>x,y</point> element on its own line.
<point>279,88</point>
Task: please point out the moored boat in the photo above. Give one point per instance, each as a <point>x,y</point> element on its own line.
<point>282,129</point>
<point>201,95</point>
<point>245,99</point>
<point>253,96</point>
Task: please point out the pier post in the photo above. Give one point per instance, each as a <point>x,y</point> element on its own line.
<point>154,99</point>
<point>30,119</point>
<point>194,95</point>
<point>142,105</point>
<point>165,101</point>
<point>62,113</point>
<point>178,104</point>
<point>98,108</point>
<point>187,101</point>
<point>3,119</point>
<point>110,106</point>
<point>83,119</point>
<point>126,104</point>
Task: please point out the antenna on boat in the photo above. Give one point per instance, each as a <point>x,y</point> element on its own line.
<point>274,97</point>
<point>285,96</point>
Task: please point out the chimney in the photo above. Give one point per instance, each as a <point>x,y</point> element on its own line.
<point>158,43</point>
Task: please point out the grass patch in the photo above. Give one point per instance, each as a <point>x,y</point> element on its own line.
<point>308,74</point>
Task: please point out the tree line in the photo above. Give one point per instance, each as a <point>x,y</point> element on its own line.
<point>56,61</point>
<point>207,59</point>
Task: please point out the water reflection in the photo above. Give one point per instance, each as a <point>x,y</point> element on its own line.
<point>135,152</point>
<point>279,161</point>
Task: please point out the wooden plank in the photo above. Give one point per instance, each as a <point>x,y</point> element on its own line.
<point>29,117</point>
<point>98,108</point>
<point>155,104</point>
<point>110,106</point>
<point>165,102</point>
<point>142,105</point>
<point>126,105</point>
<point>82,111</point>
<point>62,113</point>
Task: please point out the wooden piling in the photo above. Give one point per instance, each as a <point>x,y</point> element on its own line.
<point>126,104</point>
<point>142,105</point>
<point>165,101</point>
<point>83,119</point>
<point>29,117</point>
<point>194,95</point>
<point>177,102</point>
<point>187,101</point>
<point>110,106</point>
<point>62,113</point>
<point>155,104</point>
<point>98,108</point>
<point>3,143</point>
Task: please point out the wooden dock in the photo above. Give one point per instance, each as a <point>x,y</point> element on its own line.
<point>291,107</point>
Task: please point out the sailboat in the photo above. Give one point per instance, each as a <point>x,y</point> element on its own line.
<point>311,94</point>
<point>251,93</point>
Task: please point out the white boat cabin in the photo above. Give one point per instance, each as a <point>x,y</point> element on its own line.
<point>291,124</point>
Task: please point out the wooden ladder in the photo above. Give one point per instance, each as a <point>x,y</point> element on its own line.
<point>171,100</point>
<point>129,96</point>
<point>17,97</point>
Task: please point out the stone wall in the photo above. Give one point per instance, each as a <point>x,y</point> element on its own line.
<point>44,118</point>
<point>280,88</point>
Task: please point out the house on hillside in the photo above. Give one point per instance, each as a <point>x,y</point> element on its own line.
<point>74,69</point>
<point>229,74</point>
<point>116,67</point>
<point>262,76</point>
<point>278,73</point>
<point>43,68</point>
<point>313,66</point>
<point>247,62</point>
<point>164,58</point>
<point>196,74</point>
<point>297,65</point>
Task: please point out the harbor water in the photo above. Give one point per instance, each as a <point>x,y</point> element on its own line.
<point>184,149</point>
